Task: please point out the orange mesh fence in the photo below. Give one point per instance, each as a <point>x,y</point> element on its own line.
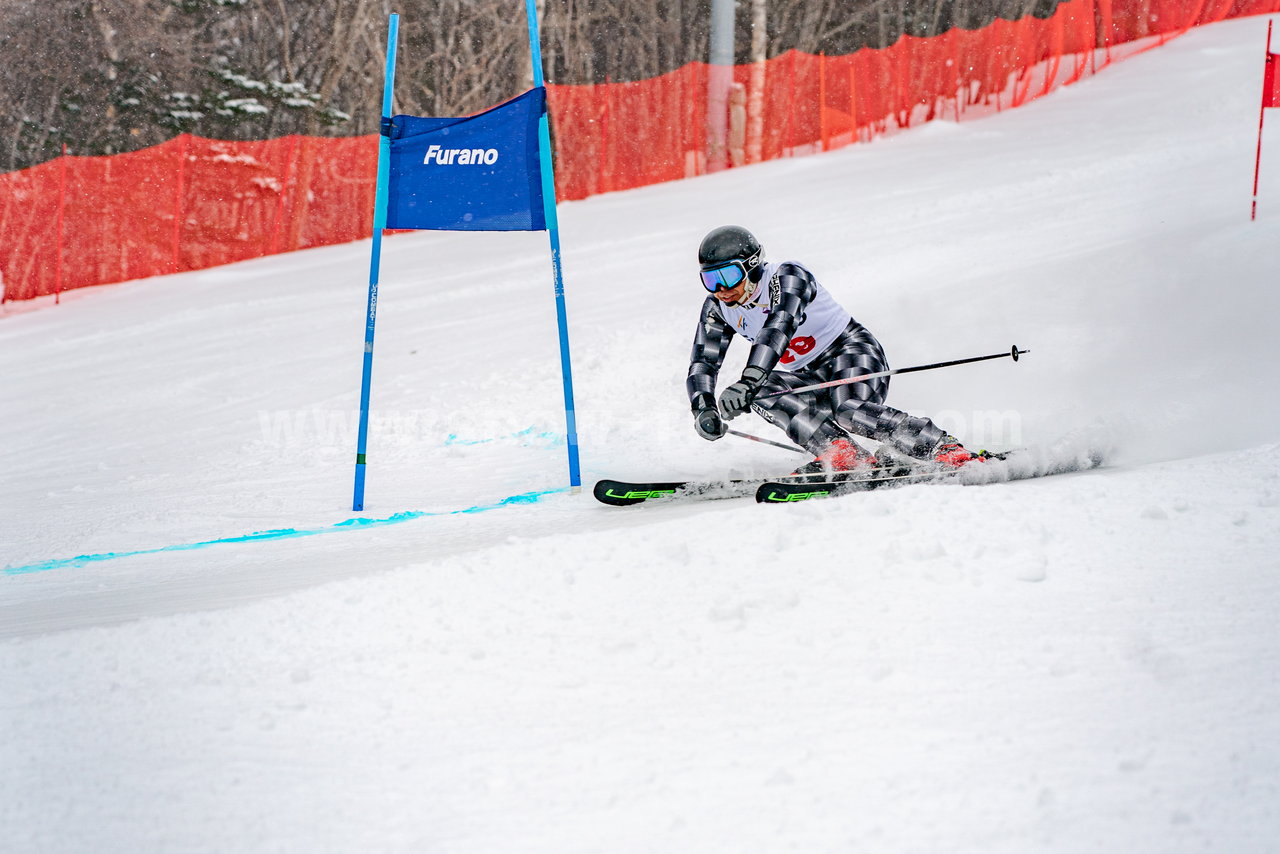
<point>616,136</point>
<point>192,203</point>
<point>183,205</point>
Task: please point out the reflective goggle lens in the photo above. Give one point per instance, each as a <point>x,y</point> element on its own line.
<point>723,278</point>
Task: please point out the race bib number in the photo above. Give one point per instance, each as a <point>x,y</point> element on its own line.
<point>800,346</point>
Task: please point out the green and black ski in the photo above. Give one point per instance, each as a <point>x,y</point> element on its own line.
<point>622,493</point>
<point>1009,466</point>
<point>788,489</point>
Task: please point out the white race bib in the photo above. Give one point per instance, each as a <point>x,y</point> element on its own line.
<point>822,322</point>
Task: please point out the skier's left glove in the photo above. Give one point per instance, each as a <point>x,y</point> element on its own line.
<point>736,399</point>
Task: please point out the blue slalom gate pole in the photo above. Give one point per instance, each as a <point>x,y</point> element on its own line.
<point>553,232</point>
<point>375,260</point>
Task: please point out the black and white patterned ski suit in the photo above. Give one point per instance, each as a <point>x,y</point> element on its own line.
<point>802,336</point>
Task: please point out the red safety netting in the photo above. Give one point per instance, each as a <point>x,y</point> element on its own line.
<point>183,205</point>
<point>192,203</point>
<point>616,136</point>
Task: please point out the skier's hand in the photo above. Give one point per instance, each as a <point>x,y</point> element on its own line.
<point>737,398</point>
<point>709,424</point>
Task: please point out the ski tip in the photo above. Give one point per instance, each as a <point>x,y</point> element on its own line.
<point>621,494</point>
<point>616,493</point>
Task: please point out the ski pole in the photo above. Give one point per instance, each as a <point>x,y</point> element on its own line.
<point>742,435</point>
<point>1013,353</point>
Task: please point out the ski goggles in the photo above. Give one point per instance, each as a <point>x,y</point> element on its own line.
<point>726,276</point>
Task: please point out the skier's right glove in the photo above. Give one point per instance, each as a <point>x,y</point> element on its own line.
<point>709,424</point>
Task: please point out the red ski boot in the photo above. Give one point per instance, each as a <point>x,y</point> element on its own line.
<point>841,456</point>
<point>951,454</point>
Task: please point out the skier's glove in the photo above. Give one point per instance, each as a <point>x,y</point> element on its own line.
<point>737,398</point>
<point>708,424</point>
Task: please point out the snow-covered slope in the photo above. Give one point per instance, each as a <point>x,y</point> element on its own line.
<point>488,663</point>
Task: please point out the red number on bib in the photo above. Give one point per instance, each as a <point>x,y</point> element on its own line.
<point>802,345</point>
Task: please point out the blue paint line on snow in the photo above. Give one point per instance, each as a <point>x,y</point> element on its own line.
<point>453,440</point>
<point>357,523</point>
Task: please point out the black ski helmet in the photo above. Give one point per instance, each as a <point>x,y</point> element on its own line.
<point>730,243</point>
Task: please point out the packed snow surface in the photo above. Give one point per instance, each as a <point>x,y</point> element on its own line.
<point>1087,662</point>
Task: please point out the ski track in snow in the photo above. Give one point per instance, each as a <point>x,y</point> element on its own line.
<point>1082,662</point>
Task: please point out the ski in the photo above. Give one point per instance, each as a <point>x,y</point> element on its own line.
<point>894,471</point>
<point>779,492</point>
<point>1000,468</point>
<point>621,493</point>
<point>624,493</point>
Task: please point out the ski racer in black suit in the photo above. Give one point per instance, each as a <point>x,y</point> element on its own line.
<point>799,336</point>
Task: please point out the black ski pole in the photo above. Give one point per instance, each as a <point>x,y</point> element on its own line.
<point>1013,353</point>
<point>742,435</point>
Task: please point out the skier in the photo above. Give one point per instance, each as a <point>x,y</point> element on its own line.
<point>800,336</point>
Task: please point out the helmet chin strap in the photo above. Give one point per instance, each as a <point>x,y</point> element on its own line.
<point>749,298</point>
